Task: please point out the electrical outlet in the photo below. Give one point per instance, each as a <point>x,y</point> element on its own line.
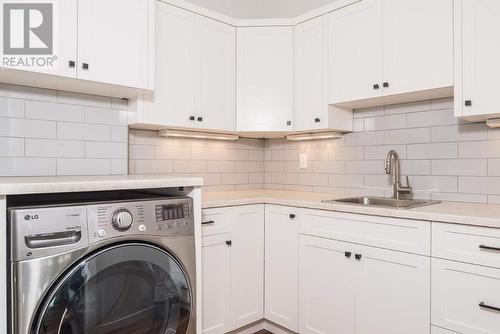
<point>303,161</point>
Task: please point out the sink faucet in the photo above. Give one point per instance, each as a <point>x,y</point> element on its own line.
<point>399,190</point>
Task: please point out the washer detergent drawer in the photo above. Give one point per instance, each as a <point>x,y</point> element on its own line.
<point>465,298</point>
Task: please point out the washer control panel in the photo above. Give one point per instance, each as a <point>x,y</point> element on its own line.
<point>165,217</point>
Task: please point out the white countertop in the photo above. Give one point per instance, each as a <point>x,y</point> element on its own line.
<point>60,184</point>
<point>487,215</point>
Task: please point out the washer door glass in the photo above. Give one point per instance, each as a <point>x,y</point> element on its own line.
<point>129,288</point>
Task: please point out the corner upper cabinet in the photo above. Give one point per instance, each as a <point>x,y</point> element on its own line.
<point>476,59</point>
<point>311,110</point>
<point>390,51</point>
<point>264,79</point>
<point>195,64</point>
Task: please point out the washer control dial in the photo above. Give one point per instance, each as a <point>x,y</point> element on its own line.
<point>122,219</point>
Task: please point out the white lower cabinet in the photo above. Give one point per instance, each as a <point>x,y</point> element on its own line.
<point>281,266</point>
<point>465,297</point>
<point>233,268</point>
<point>392,283</point>
<point>215,283</point>
<point>347,288</point>
<point>326,287</point>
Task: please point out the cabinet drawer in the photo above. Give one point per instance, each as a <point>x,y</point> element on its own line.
<point>438,330</point>
<point>405,235</point>
<point>215,221</point>
<point>465,297</point>
<point>477,245</point>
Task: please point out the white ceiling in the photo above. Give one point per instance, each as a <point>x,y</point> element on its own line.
<point>261,9</point>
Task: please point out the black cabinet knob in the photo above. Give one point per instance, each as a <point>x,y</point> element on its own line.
<point>200,119</point>
<point>85,66</point>
<point>191,118</point>
<point>348,254</point>
<point>292,216</point>
<point>386,84</point>
<point>317,120</point>
<point>229,243</point>
<point>357,256</point>
<point>288,123</point>
<point>468,103</point>
<point>376,86</point>
<point>71,64</point>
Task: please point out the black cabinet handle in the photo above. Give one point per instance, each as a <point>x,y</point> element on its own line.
<point>85,66</point>
<point>210,222</point>
<point>191,118</point>
<point>489,307</point>
<point>468,103</point>
<point>357,256</point>
<point>292,216</point>
<point>200,119</point>
<point>317,120</point>
<point>229,243</point>
<point>288,123</point>
<point>376,86</point>
<point>71,64</point>
<point>496,249</point>
<point>348,254</point>
<point>386,84</point>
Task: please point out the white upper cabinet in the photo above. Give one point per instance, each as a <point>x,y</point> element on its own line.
<point>390,51</point>
<point>355,52</point>
<point>264,79</point>
<point>311,105</point>
<point>215,74</point>
<point>477,51</point>
<point>418,45</point>
<point>195,81</point>
<point>172,103</point>
<point>113,41</point>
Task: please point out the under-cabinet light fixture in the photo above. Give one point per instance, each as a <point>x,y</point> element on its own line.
<point>314,136</point>
<point>197,135</point>
<point>493,123</point>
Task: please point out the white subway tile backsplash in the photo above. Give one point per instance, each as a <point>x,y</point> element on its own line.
<point>408,136</point>
<point>83,166</point>
<point>364,138</point>
<point>432,151</point>
<point>80,131</point>
<point>153,167</point>
<point>479,149</point>
<point>380,152</point>
<point>12,107</point>
<point>479,185</point>
<point>328,167</point>
<point>463,132</point>
<point>466,167</point>
<point>119,134</point>
<point>431,118</point>
<point>407,108</point>
<point>97,115</point>
<point>51,148</point>
<point>27,93</point>
<point>27,167</point>
<point>54,111</point>
<point>27,128</point>
<point>385,122</point>
<point>100,150</point>
<point>11,147</point>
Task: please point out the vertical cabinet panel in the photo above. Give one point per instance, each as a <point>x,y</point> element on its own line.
<point>247,265</point>
<point>417,56</point>
<point>311,105</point>
<point>112,40</point>
<point>396,284</point>
<point>281,266</point>
<point>215,74</point>
<point>480,52</point>
<point>173,100</point>
<point>326,287</point>
<point>264,78</point>
<point>215,284</point>
<point>355,52</point>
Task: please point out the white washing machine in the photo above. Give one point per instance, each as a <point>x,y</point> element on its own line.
<point>116,267</point>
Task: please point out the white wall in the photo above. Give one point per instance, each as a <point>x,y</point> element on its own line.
<point>259,9</point>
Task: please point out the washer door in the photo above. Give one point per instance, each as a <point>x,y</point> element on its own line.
<point>128,288</point>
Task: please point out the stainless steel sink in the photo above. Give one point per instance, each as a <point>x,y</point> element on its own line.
<point>383,202</point>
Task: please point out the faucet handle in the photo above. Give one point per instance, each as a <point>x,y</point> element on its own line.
<point>407,182</point>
